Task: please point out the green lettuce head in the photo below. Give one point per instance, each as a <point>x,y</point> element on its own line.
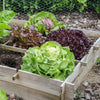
<point>50,60</point>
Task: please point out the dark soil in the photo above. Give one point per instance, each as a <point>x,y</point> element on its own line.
<point>10,58</point>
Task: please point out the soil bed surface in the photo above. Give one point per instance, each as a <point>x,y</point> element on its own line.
<point>10,58</point>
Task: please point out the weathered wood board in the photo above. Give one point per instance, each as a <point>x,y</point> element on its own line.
<point>25,92</point>
<point>88,32</point>
<point>3,46</point>
<point>45,88</point>
<point>17,22</point>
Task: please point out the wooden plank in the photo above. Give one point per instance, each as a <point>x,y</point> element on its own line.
<point>31,80</point>
<point>25,92</point>
<point>17,22</point>
<point>83,72</point>
<point>67,91</point>
<point>62,91</point>
<point>88,33</point>
<point>15,49</point>
<point>97,43</point>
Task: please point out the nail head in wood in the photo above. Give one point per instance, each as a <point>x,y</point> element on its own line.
<point>15,76</point>
<point>95,47</point>
<point>83,63</point>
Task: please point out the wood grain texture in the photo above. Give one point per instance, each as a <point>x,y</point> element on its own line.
<point>17,22</point>
<point>25,92</point>
<point>31,81</point>
<point>67,91</point>
<point>89,33</point>
<point>15,49</point>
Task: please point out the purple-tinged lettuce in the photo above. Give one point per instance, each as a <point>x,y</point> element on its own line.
<point>44,22</point>
<point>47,22</point>
<point>78,43</point>
<point>25,38</point>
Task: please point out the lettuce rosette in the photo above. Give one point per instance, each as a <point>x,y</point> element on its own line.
<point>50,60</point>
<point>44,22</point>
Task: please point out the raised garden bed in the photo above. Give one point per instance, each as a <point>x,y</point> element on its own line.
<point>33,86</point>
<point>29,85</point>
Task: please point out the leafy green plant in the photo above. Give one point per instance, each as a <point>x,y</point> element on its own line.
<point>82,4</point>
<point>43,20</point>
<point>77,95</point>
<point>1,5</point>
<point>98,60</point>
<point>5,18</point>
<point>2,95</point>
<point>94,5</point>
<point>22,5</point>
<point>59,5</point>
<point>31,6</point>
<point>50,60</point>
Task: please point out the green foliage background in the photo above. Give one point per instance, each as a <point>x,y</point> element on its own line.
<point>1,5</point>
<point>31,6</point>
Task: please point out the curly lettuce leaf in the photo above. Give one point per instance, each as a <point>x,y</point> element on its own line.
<point>50,60</point>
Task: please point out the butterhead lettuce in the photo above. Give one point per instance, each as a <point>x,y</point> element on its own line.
<point>50,60</point>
